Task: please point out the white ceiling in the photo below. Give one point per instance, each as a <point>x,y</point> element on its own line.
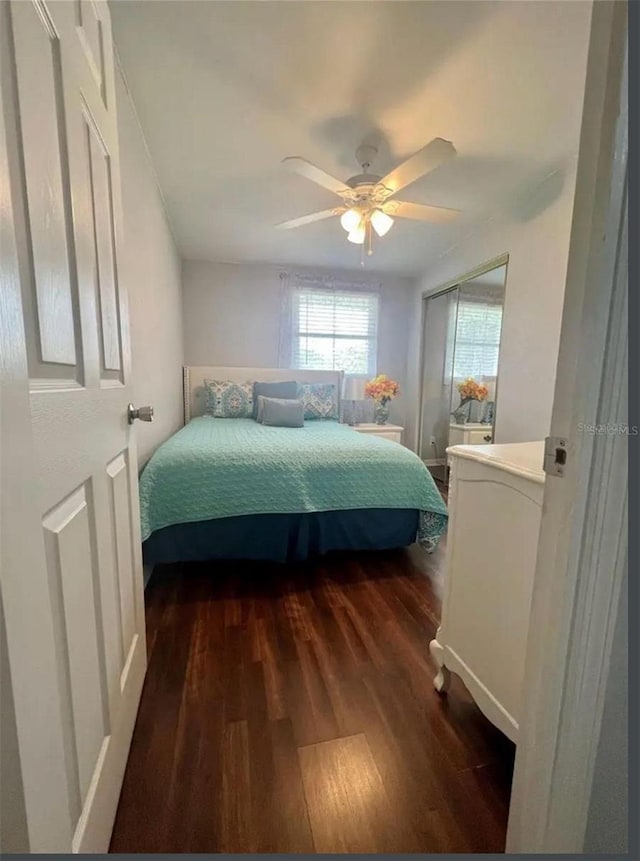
<point>226,90</point>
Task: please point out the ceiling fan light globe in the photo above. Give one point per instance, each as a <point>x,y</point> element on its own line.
<point>381,222</point>
<point>357,236</point>
<point>350,219</point>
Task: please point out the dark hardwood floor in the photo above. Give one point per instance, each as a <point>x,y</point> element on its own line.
<point>291,709</point>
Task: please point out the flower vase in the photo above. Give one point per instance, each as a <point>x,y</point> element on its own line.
<point>463,412</point>
<point>477,411</point>
<point>381,413</point>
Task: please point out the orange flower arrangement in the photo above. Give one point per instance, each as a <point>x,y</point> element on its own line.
<point>381,389</point>
<point>471,391</point>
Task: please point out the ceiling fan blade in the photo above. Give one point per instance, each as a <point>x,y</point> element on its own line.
<point>308,219</point>
<point>425,160</point>
<point>420,212</point>
<point>315,174</point>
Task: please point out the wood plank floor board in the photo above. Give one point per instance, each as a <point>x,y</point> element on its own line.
<point>369,634</point>
<point>349,632</point>
<point>234,670</point>
<point>310,706</point>
<point>237,824</point>
<point>283,631</point>
<point>271,666</point>
<point>404,766</point>
<point>154,739</point>
<point>348,805</point>
<point>291,829</point>
<point>200,828</point>
<point>295,607</point>
<point>343,683</point>
<point>291,709</point>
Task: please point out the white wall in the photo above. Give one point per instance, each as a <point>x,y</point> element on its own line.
<point>536,236</point>
<point>232,317</point>
<point>150,269</point>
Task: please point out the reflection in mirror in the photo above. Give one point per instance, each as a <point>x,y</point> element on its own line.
<point>461,347</point>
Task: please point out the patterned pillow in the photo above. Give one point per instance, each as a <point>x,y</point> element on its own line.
<point>228,400</point>
<point>320,400</point>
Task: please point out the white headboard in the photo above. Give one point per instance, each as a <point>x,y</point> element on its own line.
<point>194,377</point>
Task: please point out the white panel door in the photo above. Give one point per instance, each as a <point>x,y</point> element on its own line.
<point>72,570</point>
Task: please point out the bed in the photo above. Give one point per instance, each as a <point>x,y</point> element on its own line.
<point>231,488</point>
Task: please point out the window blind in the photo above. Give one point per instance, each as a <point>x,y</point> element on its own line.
<point>477,339</point>
<point>335,330</point>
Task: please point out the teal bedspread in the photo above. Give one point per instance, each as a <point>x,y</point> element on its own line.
<point>215,468</point>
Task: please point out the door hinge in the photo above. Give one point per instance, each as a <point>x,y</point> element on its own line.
<point>555,455</point>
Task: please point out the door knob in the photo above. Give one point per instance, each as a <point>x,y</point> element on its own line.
<point>145,414</point>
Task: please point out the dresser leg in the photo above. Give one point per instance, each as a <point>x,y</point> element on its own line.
<point>443,679</point>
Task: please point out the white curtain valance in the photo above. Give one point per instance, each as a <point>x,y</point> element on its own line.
<point>331,282</point>
<point>483,294</point>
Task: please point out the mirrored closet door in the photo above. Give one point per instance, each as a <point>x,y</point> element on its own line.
<point>462,325</point>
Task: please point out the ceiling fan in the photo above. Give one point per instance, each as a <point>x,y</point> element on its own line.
<point>367,199</point>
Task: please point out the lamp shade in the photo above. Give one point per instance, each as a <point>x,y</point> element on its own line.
<point>350,219</point>
<point>353,388</point>
<point>357,235</point>
<point>381,222</point>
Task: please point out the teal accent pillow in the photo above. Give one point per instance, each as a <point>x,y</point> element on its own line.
<point>282,412</point>
<point>320,400</point>
<point>262,400</point>
<point>228,400</point>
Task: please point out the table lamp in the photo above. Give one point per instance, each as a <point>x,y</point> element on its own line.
<point>353,390</point>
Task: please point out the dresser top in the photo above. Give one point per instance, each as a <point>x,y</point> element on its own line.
<point>520,458</point>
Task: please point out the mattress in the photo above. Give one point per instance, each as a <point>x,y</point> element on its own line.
<point>222,468</point>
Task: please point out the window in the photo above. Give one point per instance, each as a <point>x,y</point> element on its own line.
<point>335,330</point>
<point>477,339</point>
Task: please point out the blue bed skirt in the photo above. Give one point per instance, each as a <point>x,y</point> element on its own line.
<point>283,537</point>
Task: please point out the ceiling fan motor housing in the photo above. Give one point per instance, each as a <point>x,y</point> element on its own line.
<point>367,192</point>
<point>363,179</point>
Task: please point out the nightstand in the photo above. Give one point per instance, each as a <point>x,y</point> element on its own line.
<point>392,432</point>
<point>470,433</point>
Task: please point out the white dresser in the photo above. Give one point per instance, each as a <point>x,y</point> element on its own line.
<point>392,432</point>
<point>495,505</point>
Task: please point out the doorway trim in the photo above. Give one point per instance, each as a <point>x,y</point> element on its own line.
<point>582,551</point>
